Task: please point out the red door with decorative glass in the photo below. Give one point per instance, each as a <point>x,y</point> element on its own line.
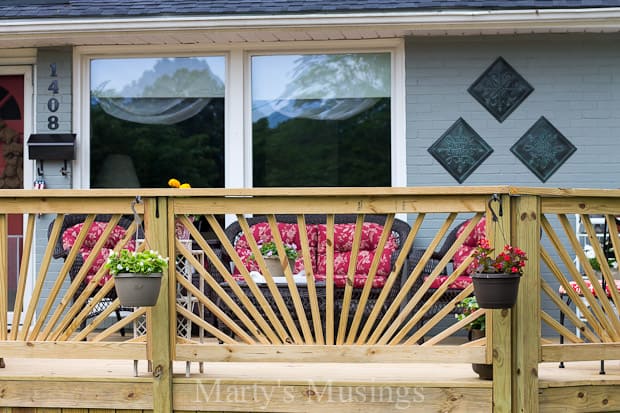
<point>12,165</point>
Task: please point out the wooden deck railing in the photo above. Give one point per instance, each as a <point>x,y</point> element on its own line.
<point>307,323</point>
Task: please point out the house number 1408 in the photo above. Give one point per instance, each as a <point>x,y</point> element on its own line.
<point>53,104</point>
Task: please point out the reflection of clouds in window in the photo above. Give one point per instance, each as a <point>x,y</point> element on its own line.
<point>323,87</point>
<point>162,91</point>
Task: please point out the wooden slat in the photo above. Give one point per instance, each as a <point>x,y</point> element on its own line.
<point>232,283</point>
<point>292,287</point>
<point>58,283</point>
<point>402,317</point>
<point>569,313</point>
<point>23,275</point>
<point>213,308</point>
<point>595,305</point>
<point>581,352</point>
<point>402,258</point>
<point>348,288</point>
<point>38,287</point>
<point>75,349</point>
<point>568,262</point>
<point>329,279</point>
<point>448,307</point>
<point>217,289</point>
<point>329,354</point>
<point>372,272</point>
<point>310,283</point>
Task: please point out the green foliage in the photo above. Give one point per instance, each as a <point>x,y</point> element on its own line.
<point>468,306</point>
<point>269,249</point>
<point>146,262</point>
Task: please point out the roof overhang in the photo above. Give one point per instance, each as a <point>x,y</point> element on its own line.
<point>261,28</point>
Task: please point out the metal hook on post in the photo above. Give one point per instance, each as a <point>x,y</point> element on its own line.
<point>495,198</point>
<point>40,171</point>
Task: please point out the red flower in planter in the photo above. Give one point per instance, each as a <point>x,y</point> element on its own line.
<point>510,260</point>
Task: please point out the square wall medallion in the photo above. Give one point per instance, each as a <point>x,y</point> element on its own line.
<point>500,89</point>
<point>543,149</point>
<point>460,150</point>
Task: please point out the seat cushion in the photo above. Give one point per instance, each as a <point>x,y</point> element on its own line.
<point>94,233</point>
<point>588,284</point>
<point>317,237</point>
<point>460,283</point>
<point>470,243</point>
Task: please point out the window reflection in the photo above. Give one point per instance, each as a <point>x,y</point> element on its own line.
<point>321,120</point>
<point>156,118</point>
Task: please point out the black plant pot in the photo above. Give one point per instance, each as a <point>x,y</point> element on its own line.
<point>484,371</point>
<point>496,290</point>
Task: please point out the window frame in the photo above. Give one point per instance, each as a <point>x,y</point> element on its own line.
<point>238,100</point>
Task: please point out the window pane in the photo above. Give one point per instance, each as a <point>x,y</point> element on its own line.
<point>157,118</point>
<point>321,120</point>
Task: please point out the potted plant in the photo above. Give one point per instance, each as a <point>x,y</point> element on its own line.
<point>137,276</point>
<point>496,282</point>
<point>269,251</point>
<point>475,330</point>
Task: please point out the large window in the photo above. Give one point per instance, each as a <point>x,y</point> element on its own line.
<point>157,118</point>
<point>321,120</point>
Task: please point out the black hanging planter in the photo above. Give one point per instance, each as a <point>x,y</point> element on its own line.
<point>496,290</point>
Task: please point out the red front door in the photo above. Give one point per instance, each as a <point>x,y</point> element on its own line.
<point>12,164</point>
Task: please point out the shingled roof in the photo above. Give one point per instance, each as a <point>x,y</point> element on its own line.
<point>27,9</point>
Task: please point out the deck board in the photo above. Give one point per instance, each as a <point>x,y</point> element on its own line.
<point>383,373</point>
<point>291,387</point>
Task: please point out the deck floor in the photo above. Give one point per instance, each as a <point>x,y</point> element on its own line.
<point>420,373</point>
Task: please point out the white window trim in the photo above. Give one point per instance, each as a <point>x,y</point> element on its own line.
<point>238,116</point>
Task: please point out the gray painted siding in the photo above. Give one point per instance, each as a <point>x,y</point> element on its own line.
<point>577,88</point>
<point>62,57</point>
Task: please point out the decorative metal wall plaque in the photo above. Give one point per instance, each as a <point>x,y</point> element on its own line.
<point>543,149</point>
<point>460,150</point>
<point>500,89</point>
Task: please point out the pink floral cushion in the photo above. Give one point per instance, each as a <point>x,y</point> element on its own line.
<point>470,243</point>
<point>94,233</point>
<point>262,234</point>
<point>588,284</point>
<point>343,243</point>
<point>460,283</point>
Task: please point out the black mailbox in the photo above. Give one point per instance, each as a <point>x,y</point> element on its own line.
<point>52,146</point>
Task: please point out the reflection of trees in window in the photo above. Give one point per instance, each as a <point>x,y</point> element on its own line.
<point>307,152</point>
<point>330,127</point>
<point>341,75</point>
<point>192,150</point>
<point>170,122</point>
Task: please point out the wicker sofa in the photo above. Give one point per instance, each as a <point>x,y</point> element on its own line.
<point>343,233</point>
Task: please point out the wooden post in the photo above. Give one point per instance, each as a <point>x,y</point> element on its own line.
<point>158,334</point>
<point>499,233</point>
<point>526,313</point>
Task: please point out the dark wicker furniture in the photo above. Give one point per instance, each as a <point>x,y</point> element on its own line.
<point>400,230</point>
<point>59,252</point>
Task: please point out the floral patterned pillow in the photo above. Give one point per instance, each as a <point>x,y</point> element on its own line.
<point>94,234</point>
<point>343,243</point>
<point>478,233</point>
